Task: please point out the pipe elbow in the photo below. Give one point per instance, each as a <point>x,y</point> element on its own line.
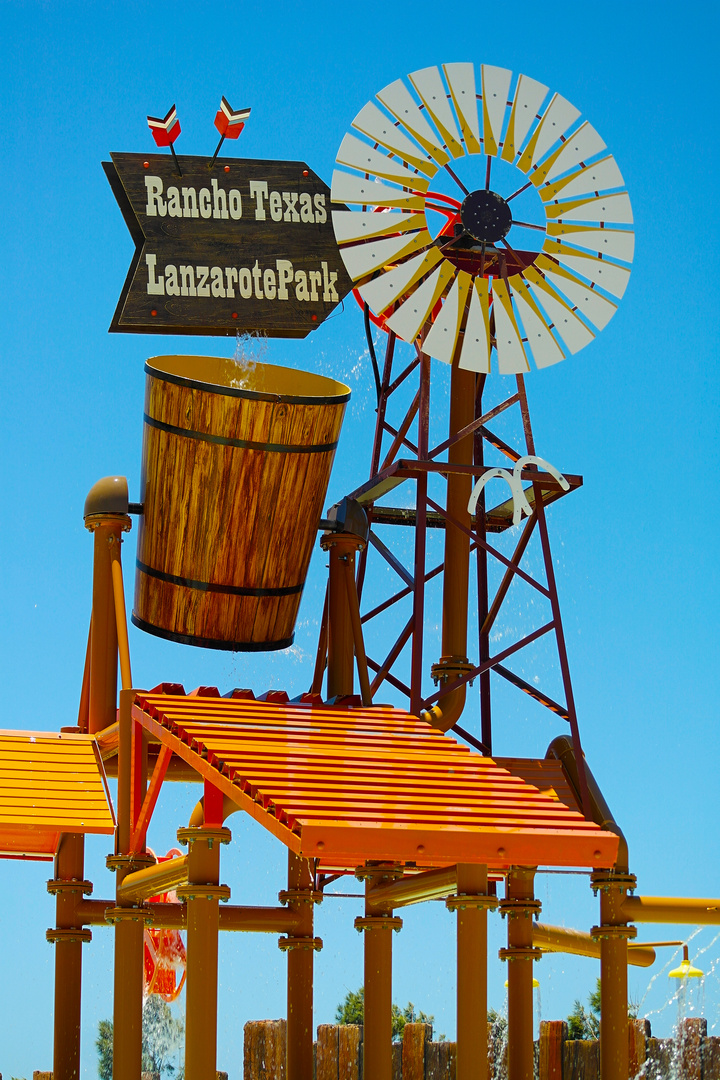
<point>197,818</point>
<point>446,717</point>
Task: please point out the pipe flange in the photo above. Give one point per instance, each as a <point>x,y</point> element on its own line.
<point>605,880</point>
<point>125,914</point>
<point>378,922</point>
<point>300,896</point>
<point>607,933</point>
<point>94,521</point>
<point>288,944</point>
<point>389,870</point>
<point>450,667</point>
<point>139,861</point>
<point>516,909</point>
<point>471,900</point>
<point>197,891</point>
<point>190,834</point>
<point>73,933</point>
<point>72,886</point>
<point>518,952</point>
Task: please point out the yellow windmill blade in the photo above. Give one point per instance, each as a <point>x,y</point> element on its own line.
<point>569,326</point>
<point>429,86</point>
<point>495,90</point>
<point>375,124</point>
<point>615,243</point>
<point>461,80</point>
<point>411,316</point>
<point>615,209</point>
<point>477,342</point>
<point>583,144</point>
<point>364,259</point>
<point>347,188</point>
<point>545,349</point>
<point>353,225</point>
<point>512,359</point>
<point>611,277</point>
<point>554,122</point>
<point>603,175</point>
<point>398,100</point>
<point>444,335</point>
<point>358,155</point>
<point>391,286</point>
<point>527,101</point>
<point>590,303</point>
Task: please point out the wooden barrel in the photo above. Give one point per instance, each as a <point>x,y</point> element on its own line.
<point>235,468</point>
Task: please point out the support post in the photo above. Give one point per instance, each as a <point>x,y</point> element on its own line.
<point>342,549</point>
<point>613,934</point>
<point>300,947</point>
<point>519,906</point>
<point>68,938</point>
<point>378,925</point>
<point>107,529</point>
<point>471,903</point>
<point>203,894</point>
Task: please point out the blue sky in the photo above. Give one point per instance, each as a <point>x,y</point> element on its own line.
<point>635,413</point>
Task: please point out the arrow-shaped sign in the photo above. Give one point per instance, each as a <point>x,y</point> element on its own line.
<point>245,246</point>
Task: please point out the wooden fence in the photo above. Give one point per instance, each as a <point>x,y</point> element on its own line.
<point>692,1055</point>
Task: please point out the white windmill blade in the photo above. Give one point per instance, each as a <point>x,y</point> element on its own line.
<point>358,155</point>
<point>411,316</point>
<point>350,225</point>
<point>583,144</point>
<point>508,338</point>
<point>603,175</point>
<point>363,259</point>
<point>608,275</point>
<point>553,123</point>
<point>398,100</point>
<point>615,243</point>
<point>569,326</point>
<point>544,347</point>
<point>429,86</point>
<point>372,122</point>
<point>596,309</point>
<point>495,90</point>
<point>391,286</point>
<point>527,101</point>
<point>613,209</point>
<point>461,80</point>
<point>442,339</point>
<point>347,188</point>
<point>477,345</point>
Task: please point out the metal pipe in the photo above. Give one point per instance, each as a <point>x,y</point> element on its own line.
<point>377,1011</point>
<point>413,889</point>
<point>300,964</point>
<point>613,933</point>
<point>120,613</point>
<point>153,880</point>
<point>561,748</point>
<point>519,907</point>
<point>341,549</point>
<point>258,920</point>
<point>202,959</point>
<point>360,657</point>
<point>669,909</point>
<point>104,646</point>
<point>575,942</point>
<point>68,958</point>
<point>472,1030</point>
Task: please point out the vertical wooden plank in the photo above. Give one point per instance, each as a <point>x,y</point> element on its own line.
<point>413,1050</point>
<point>432,1062</point>
<point>328,1039</point>
<point>660,1054</point>
<point>711,1058</point>
<point>349,1052</point>
<point>638,1034</point>
<point>581,1059</point>
<point>553,1034</point>
<point>253,1049</point>
<point>397,1065</point>
<point>448,1060</point>
<point>692,1030</point>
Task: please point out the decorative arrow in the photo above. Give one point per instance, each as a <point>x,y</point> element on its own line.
<point>229,124</point>
<point>165,131</point>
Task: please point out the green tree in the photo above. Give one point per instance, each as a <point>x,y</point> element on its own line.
<point>350,1011</point>
<point>585,1023</point>
<point>161,1038</point>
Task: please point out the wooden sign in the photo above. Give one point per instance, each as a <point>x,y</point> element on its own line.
<point>245,246</point>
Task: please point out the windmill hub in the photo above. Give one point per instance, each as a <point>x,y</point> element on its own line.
<point>486,216</point>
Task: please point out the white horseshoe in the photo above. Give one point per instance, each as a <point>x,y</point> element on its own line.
<point>522,502</point>
<point>491,474</point>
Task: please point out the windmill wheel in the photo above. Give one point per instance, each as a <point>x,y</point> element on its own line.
<point>469,285</point>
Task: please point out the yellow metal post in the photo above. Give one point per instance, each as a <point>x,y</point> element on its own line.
<point>107,529</point>
<point>68,937</point>
<point>613,934</point>
<point>202,893</point>
<point>341,549</point>
<point>471,903</point>
<point>300,947</point>
<point>378,925</point>
<point>519,906</point>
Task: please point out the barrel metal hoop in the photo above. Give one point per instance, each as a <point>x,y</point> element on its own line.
<point>211,643</point>
<point>251,395</point>
<point>216,587</point>
<point>240,444</point>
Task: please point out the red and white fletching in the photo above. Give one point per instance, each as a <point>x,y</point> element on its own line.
<point>166,130</point>
<point>230,123</point>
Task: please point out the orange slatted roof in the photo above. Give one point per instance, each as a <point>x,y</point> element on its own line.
<point>50,783</point>
<point>348,784</point>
